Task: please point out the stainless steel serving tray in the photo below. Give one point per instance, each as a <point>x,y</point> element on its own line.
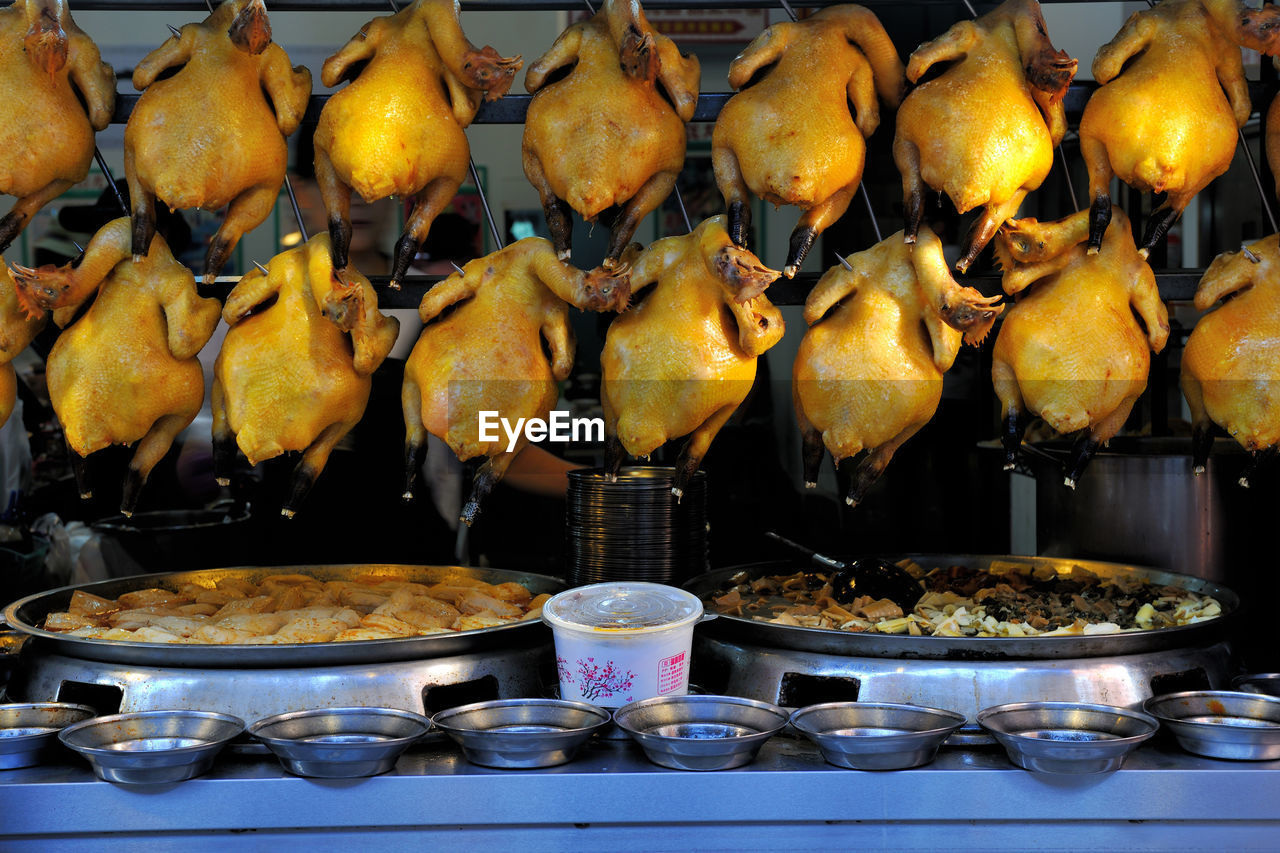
<point>835,642</point>
<point>27,614</point>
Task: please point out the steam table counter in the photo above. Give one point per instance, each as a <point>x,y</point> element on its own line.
<point>612,798</point>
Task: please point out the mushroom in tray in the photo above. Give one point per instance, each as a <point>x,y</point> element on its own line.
<point>294,370</point>
<point>487,354</point>
<point>126,371</point>
<point>1172,100</point>
<point>17,330</point>
<point>1071,350</point>
<point>397,129</point>
<point>213,133</point>
<point>1231,364</point>
<point>984,130</point>
<point>681,361</point>
<point>868,374</point>
<point>57,91</point>
<point>605,130</point>
<point>788,135</point>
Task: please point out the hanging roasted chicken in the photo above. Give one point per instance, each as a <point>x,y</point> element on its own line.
<point>293,374</point>
<point>17,331</point>
<point>1071,350</point>
<point>1231,365</point>
<point>681,361</point>
<point>868,374</point>
<point>487,354</point>
<point>126,371</point>
<point>604,134</point>
<point>788,135</point>
<point>1172,100</point>
<point>213,133</point>
<point>57,91</point>
<point>984,130</point>
<point>416,82</point>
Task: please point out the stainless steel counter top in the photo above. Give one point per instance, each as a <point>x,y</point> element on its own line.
<point>612,798</point>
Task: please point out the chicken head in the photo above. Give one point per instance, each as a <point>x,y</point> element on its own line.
<point>57,92</point>
<point>983,131</point>
<point>788,135</point>
<point>397,129</point>
<point>604,135</point>
<point>1072,350</point>
<point>682,360</point>
<point>212,132</point>
<point>1173,96</point>
<point>868,374</point>
<point>126,371</point>
<point>487,354</point>
<point>1231,365</point>
<point>293,374</point>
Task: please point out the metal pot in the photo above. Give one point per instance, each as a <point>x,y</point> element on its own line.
<point>1138,502</point>
<point>172,540</point>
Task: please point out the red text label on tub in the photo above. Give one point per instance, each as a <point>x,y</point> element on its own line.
<point>671,673</point>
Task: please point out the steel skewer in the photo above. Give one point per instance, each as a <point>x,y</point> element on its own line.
<point>111,181</point>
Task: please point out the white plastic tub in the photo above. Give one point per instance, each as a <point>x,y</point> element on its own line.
<point>624,641</point>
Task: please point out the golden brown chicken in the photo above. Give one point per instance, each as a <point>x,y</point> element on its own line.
<point>605,128</point>
<point>416,82</point>
<point>17,330</point>
<point>681,361</point>
<point>1071,350</point>
<point>213,133</point>
<point>1172,99</point>
<point>868,374</point>
<point>487,355</point>
<point>295,375</point>
<point>1231,366</point>
<point>57,91</point>
<point>788,136</point>
<point>126,371</point>
<point>984,130</point>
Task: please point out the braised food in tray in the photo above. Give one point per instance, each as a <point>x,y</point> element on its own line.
<point>1003,600</point>
<point>296,608</point>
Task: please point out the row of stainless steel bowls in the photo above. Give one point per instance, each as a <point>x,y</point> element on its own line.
<point>695,732</point>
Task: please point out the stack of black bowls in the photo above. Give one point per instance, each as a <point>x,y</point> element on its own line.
<point>635,529</point>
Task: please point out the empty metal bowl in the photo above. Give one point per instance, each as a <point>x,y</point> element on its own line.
<point>340,743</point>
<point>1221,723</point>
<point>29,730</point>
<point>1067,737</point>
<point>876,735</point>
<point>521,733</point>
<point>1266,683</point>
<point>700,732</point>
<point>151,747</point>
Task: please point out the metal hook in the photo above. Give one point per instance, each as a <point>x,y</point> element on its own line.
<point>79,248</point>
<point>111,181</point>
<point>260,267</point>
<point>460,270</point>
<point>969,6</point>
<point>1250,255</point>
<point>177,33</point>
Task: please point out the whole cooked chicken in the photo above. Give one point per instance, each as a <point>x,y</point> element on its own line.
<point>1172,100</point>
<point>17,330</point>
<point>416,82</point>
<point>57,91</point>
<point>788,135</point>
<point>212,132</point>
<point>1072,350</point>
<point>604,134</point>
<point>681,361</point>
<point>487,355</point>
<point>1231,365</point>
<point>126,371</point>
<point>984,130</point>
<point>294,371</point>
<point>868,374</point>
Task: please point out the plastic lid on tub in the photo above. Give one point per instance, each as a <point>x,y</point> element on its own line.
<point>633,606</point>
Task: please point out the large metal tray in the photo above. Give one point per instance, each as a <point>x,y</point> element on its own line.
<point>834,642</point>
<point>26,614</point>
